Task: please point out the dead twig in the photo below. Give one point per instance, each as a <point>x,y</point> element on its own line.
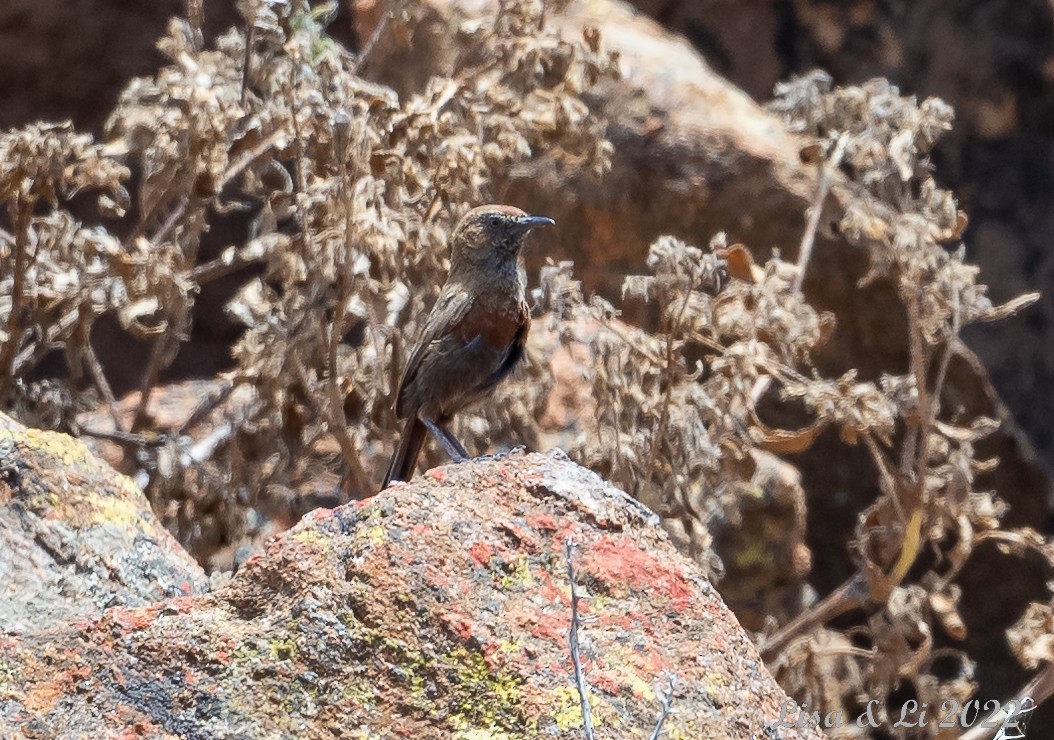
<point>827,169</point>
<point>852,594</point>
<point>1004,725</point>
<point>371,42</point>
<point>572,637</point>
<point>21,215</point>
<point>667,708</point>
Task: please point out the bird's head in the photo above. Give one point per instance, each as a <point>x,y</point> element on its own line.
<point>493,233</point>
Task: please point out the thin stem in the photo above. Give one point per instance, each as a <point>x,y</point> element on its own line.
<point>946,356</point>
<point>667,399</point>
<point>23,212</point>
<point>91,360</point>
<point>207,406</point>
<point>572,638</point>
<point>808,239</point>
<point>667,708</point>
<point>146,385</point>
<point>371,42</point>
<point>247,59</point>
<point>918,369</point>
<point>1030,696</point>
<point>850,595</point>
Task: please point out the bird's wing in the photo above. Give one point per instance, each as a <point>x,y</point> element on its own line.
<point>449,309</point>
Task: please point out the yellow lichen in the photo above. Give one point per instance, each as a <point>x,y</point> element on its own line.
<point>567,708</point>
<point>120,512</point>
<point>283,649</point>
<point>519,575</point>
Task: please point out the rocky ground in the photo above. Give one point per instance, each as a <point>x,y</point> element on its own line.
<point>438,609</point>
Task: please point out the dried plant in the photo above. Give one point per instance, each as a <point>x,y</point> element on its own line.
<point>350,194</point>
<point>680,411</point>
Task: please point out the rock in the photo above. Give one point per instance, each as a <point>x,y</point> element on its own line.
<point>437,609</point>
<point>76,537</point>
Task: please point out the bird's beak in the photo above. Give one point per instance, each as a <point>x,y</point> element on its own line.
<point>529,222</point>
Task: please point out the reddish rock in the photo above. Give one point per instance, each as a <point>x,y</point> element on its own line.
<point>438,609</point>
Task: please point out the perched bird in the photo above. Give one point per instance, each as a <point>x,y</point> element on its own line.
<point>474,335</point>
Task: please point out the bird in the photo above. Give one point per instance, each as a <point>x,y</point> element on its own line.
<point>473,337</point>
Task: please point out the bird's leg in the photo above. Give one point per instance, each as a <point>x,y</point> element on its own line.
<point>445,430</point>
<point>446,440</point>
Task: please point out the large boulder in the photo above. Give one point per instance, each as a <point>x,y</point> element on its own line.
<point>438,609</point>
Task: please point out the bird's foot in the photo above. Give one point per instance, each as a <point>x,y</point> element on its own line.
<point>517,450</point>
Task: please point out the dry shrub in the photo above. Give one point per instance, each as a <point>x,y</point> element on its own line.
<point>351,193</point>
<point>681,410</point>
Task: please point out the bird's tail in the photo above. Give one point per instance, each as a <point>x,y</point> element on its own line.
<point>404,461</point>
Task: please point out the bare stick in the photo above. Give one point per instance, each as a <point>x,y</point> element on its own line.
<point>946,357</point>
<point>154,366</point>
<point>91,360</point>
<point>850,595</point>
<point>371,42</point>
<point>22,214</point>
<point>247,60</point>
<point>1031,695</point>
<point>667,708</point>
<point>572,638</point>
<point>827,170</point>
<point>208,405</point>
<point>667,398</point>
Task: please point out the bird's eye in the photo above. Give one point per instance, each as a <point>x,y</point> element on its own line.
<point>494,221</point>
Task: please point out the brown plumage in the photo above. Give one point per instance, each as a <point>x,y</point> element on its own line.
<point>473,336</point>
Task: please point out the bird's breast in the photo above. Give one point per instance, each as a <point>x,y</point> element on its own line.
<point>497,326</point>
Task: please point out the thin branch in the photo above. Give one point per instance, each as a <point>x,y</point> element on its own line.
<point>630,342</point>
<point>946,356</point>
<point>338,422</point>
<point>371,42</point>
<point>667,398</point>
<point>91,360</point>
<point>572,638</point>
<point>250,38</point>
<point>885,470</point>
<point>221,266</point>
<point>1030,696</point>
<point>917,357</point>
<point>146,386</point>
<point>169,224</point>
<point>850,595</point>
<point>827,170</point>
<point>207,405</point>
<point>32,353</point>
<point>127,439</point>
<point>667,708</point>
<point>22,215</point>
